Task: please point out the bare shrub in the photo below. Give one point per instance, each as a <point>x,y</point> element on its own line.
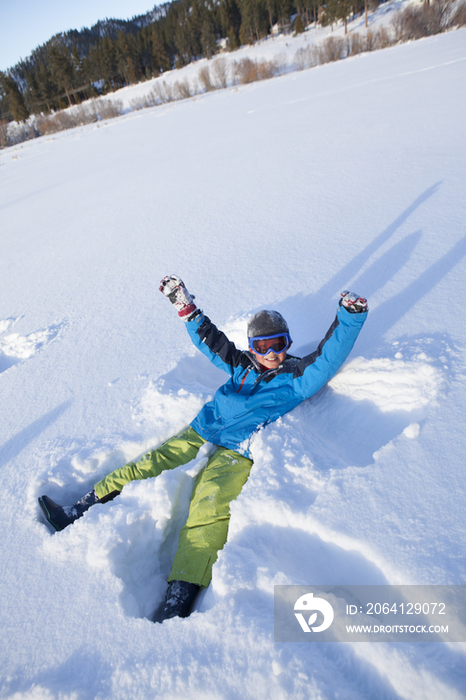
<point>369,44</point>
<point>372,41</point>
<point>247,71</point>
<point>397,27</point>
<point>85,114</point>
<point>355,44</point>
<point>382,39</point>
<point>416,22</point>
<point>205,79</point>
<point>235,74</point>
<point>438,16</point>
<point>64,120</point>
<point>109,109</point>
<point>163,91</point>
<point>265,70</point>
<point>138,103</point>
<point>458,18</point>
<point>152,98</point>
<point>45,125</point>
<point>314,56</point>
<point>220,72</point>
<point>301,58</point>
<point>144,101</point>
<point>280,63</point>
<point>182,89</point>
<point>332,49</point>
<point>414,25</point>
<point>307,57</point>
<point>52,123</point>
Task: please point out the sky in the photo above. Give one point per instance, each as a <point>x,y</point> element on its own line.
<point>27,24</point>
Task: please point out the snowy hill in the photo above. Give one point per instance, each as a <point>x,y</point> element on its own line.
<point>277,194</point>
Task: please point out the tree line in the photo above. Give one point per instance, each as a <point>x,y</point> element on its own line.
<point>76,65</point>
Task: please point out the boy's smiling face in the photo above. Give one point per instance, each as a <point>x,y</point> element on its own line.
<point>271,360</point>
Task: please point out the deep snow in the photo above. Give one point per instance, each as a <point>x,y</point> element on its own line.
<point>277,194</point>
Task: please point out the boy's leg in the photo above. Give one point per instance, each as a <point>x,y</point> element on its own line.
<point>206,528</point>
<point>180,449</point>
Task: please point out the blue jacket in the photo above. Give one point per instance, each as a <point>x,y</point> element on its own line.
<point>252,398</point>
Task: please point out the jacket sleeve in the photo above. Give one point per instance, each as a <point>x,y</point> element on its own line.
<point>315,370</point>
<point>214,344</point>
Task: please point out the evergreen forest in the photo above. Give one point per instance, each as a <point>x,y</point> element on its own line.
<point>76,65</point>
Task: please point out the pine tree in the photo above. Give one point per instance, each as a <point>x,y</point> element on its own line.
<point>108,62</point>
<point>298,25</point>
<point>343,10</point>
<point>230,20</point>
<point>62,69</point>
<point>48,92</point>
<point>233,40</point>
<point>284,9</point>
<point>272,11</point>
<point>208,43</point>
<point>16,104</point>
<point>159,51</point>
<point>126,58</point>
<point>246,32</point>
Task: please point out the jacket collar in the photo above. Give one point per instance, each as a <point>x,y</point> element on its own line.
<point>268,374</point>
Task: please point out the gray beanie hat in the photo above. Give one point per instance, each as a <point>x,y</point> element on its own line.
<point>267,323</point>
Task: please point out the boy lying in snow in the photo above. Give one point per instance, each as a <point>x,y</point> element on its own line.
<point>265,383</point>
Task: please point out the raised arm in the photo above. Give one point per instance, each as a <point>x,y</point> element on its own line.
<point>205,335</point>
<point>316,369</point>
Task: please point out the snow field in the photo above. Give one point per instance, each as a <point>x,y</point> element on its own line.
<point>274,195</point>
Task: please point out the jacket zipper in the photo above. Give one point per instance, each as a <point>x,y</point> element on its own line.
<point>243,380</point>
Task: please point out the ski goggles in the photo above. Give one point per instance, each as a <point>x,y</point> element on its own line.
<point>263,344</point>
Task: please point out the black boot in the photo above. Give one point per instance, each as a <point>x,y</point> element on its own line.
<point>62,516</point>
<point>179,600</point>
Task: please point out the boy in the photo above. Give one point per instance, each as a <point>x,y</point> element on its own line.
<point>265,383</point>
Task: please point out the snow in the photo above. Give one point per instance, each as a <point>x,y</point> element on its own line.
<point>277,194</point>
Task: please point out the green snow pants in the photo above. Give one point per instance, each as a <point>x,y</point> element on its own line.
<point>219,483</point>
